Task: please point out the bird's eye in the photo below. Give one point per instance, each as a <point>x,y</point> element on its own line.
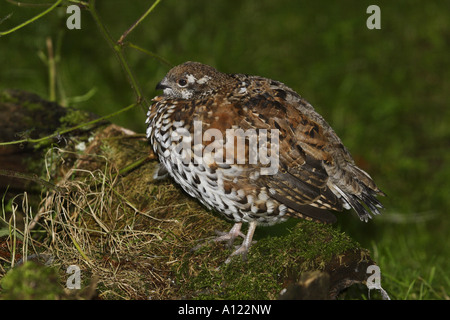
<point>182,82</point>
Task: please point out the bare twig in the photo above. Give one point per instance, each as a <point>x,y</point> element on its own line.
<point>34,178</point>
<point>57,3</point>
<point>117,51</point>
<point>51,69</point>
<point>69,129</point>
<point>151,54</point>
<point>24,4</point>
<point>134,25</point>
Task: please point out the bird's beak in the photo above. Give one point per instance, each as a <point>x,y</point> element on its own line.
<point>161,85</point>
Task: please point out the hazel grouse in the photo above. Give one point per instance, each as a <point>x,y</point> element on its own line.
<point>281,158</point>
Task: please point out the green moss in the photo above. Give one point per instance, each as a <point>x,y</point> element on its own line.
<point>31,281</point>
<point>8,96</point>
<point>271,261</point>
<point>73,118</point>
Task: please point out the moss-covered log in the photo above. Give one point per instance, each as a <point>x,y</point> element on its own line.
<point>102,211</point>
<point>25,116</point>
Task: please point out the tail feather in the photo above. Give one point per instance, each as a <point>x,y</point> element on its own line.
<point>359,202</point>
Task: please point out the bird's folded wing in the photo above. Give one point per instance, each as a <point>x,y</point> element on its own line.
<point>304,191</point>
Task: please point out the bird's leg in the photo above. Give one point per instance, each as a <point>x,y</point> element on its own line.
<point>231,235</point>
<point>160,172</point>
<point>243,249</point>
<point>225,236</point>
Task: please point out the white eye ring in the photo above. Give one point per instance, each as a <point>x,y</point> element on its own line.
<point>182,83</point>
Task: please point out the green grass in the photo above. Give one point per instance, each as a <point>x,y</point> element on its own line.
<point>385,92</point>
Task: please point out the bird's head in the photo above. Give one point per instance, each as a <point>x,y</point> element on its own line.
<point>191,80</point>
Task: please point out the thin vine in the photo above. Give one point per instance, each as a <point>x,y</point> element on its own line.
<point>116,46</point>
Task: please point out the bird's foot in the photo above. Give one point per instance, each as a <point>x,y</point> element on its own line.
<point>242,250</point>
<point>245,246</point>
<point>225,236</point>
<point>231,235</point>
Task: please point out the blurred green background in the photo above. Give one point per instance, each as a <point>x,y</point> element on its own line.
<point>385,92</point>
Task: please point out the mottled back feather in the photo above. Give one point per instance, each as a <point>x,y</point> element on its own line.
<point>316,173</point>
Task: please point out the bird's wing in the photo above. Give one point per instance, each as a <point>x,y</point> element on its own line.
<point>316,172</point>
<point>300,181</point>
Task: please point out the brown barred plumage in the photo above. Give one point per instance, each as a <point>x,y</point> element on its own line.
<point>314,172</point>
